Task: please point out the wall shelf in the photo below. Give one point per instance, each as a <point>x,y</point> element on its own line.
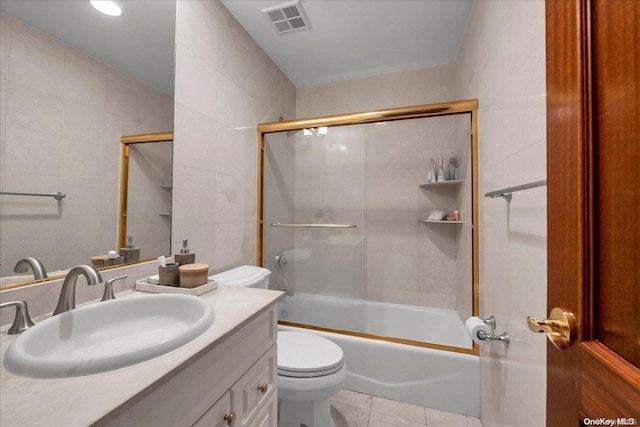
<point>168,187</point>
<point>165,214</point>
<point>440,222</point>
<point>437,183</point>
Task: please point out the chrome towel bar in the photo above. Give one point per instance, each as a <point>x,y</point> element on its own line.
<point>506,192</point>
<point>277,224</point>
<point>58,196</point>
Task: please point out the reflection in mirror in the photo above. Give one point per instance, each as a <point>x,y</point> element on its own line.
<point>145,194</point>
<point>65,103</point>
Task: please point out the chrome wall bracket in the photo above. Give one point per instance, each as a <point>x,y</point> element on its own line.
<point>503,337</point>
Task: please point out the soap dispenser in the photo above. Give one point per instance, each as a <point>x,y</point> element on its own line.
<point>184,257</point>
<point>130,252</point>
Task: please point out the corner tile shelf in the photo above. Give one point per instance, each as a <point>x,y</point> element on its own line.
<point>436,183</point>
<point>165,214</point>
<point>167,187</point>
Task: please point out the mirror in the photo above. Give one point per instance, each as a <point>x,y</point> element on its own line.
<point>69,92</point>
<point>145,193</point>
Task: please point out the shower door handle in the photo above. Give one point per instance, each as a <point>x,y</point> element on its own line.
<point>561,327</point>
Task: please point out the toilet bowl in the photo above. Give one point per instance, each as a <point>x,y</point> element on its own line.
<point>311,368</point>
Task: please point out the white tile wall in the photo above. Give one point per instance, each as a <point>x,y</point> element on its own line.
<point>403,261</point>
<point>61,119</point>
<point>501,62</point>
<point>225,86</point>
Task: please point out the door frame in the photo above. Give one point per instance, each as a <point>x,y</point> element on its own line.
<point>579,379</point>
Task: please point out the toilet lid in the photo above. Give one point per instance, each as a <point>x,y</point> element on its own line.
<point>245,275</point>
<point>305,355</point>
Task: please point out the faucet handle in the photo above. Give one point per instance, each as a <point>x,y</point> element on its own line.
<point>22,321</point>
<point>108,288</point>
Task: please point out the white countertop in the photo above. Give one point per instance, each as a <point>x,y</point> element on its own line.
<point>84,400</point>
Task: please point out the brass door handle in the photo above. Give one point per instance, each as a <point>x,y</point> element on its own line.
<point>230,418</point>
<point>560,327</point>
<point>263,388</point>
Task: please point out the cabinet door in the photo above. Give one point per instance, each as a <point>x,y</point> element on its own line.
<point>268,416</point>
<point>218,414</point>
<point>255,387</point>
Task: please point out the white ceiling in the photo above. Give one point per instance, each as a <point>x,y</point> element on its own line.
<point>354,38</point>
<point>141,42</point>
<point>347,38</point>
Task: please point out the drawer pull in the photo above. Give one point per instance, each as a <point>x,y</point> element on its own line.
<point>263,388</point>
<point>230,418</point>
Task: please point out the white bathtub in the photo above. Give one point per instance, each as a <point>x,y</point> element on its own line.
<point>437,379</point>
<point>425,324</point>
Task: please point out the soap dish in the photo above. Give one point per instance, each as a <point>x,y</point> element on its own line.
<point>144,286</point>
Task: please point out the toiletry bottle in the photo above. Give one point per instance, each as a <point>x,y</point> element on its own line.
<point>431,171</point>
<point>130,252</point>
<point>184,257</point>
<point>441,170</point>
<point>452,169</point>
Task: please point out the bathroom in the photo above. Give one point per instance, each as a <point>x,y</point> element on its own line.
<point>225,85</point>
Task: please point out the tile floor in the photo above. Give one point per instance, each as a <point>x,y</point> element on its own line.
<point>351,409</point>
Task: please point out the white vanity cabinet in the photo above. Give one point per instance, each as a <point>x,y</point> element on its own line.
<point>251,401</point>
<point>233,382</point>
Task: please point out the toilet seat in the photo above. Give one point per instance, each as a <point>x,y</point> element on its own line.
<point>304,355</point>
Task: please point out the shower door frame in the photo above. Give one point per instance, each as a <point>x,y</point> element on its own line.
<point>468,106</point>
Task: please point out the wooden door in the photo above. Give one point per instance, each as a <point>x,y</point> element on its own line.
<point>593,168</point>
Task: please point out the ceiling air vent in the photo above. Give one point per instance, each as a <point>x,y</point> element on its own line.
<point>287,17</point>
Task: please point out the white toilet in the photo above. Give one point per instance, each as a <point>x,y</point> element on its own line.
<point>311,369</point>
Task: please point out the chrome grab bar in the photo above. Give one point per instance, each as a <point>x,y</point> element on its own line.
<point>506,192</point>
<point>277,224</point>
<point>58,196</point>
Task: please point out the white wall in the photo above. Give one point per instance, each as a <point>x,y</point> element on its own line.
<point>502,63</point>
<point>403,261</point>
<point>62,117</point>
<point>225,86</point>
<point>416,86</point>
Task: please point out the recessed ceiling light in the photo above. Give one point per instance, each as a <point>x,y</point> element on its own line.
<point>107,7</point>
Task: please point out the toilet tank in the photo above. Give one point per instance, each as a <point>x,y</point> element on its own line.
<point>245,275</point>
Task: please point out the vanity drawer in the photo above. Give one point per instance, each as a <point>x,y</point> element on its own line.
<point>256,386</point>
<point>267,416</point>
<point>218,414</point>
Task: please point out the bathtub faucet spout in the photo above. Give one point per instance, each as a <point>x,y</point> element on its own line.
<point>287,290</point>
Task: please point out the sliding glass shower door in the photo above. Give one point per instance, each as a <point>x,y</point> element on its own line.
<point>363,239</point>
<point>315,224</point>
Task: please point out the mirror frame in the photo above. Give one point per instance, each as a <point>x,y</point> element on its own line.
<point>126,141</point>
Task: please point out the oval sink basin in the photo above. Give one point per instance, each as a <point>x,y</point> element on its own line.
<point>108,335</point>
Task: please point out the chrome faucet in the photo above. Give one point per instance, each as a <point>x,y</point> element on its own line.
<point>21,321</point>
<point>39,272</point>
<point>67,300</point>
